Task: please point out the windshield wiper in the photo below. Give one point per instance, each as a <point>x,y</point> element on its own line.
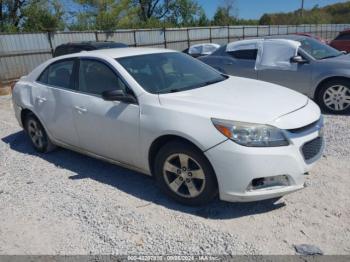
<point>174,90</point>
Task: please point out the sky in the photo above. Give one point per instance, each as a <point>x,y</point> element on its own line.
<point>254,9</point>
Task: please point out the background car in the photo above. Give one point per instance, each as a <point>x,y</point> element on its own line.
<point>342,41</point>
<point>76,47</point>
<point>314,69</point>
<point>201,49</point>
<point>166,114</point>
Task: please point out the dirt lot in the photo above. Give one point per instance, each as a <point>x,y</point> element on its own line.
<point>67,203</point>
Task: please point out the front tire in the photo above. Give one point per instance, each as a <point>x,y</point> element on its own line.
<point>334,96</point>
<point>183,172</point>
<point>37,134</point>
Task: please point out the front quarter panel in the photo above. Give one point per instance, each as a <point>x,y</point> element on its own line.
<point>157,120</point>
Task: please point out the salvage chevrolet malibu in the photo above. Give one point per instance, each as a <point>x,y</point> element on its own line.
<point>198,132</point>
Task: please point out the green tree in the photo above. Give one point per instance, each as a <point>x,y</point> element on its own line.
<point>43,15</point>
<point>226,14</point>
<point>184,13</point>
<point>202,18</point>
<point>265,20</point>
<point>11,14</point>
<point>102,14</point>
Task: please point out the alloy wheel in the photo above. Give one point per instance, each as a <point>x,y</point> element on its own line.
<point>337,97</point>
<point>184,176</point>
<point>36,133</point>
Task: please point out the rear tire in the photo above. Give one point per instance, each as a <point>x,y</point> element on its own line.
<point>37,134</point>
<point>334,96</point>
<point>183,172</point>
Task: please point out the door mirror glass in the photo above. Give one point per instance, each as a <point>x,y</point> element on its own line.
<point>298,59</point>
<point>118,95</point>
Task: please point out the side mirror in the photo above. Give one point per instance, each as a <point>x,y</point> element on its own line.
<point>299,60</point>
<point>118,95</point>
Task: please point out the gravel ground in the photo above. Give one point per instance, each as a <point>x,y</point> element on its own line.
<point>67,203</point>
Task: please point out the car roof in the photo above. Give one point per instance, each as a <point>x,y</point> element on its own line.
<point>290,37</point>
<point>347,31</point>
<point>120,52</point>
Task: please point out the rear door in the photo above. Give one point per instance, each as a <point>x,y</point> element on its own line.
<point>106,128</point>
<point>53,100</point>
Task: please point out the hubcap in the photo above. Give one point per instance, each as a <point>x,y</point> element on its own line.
<point>337,97</point>
<point>35,133</point>
<point>184,175</point>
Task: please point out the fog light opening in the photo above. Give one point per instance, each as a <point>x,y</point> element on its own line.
<point>266,182</point>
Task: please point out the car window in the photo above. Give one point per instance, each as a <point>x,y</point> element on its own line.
<point>95,77</point>
<point>169,72</point>
<point>317,49</point>
<point>343,37</point>
<point>58,74</point>
<point>246,54</point>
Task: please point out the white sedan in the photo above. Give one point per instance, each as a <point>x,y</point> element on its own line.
<point>163,113</point>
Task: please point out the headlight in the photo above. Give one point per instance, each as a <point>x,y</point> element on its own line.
<point>248,134</point>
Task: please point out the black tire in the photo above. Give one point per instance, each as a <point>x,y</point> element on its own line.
<point>31,122</point>
<point>206,190</point>
<point>330,103</point>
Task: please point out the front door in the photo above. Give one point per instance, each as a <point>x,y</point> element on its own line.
<point>106,128</point>
<point>274,65</point>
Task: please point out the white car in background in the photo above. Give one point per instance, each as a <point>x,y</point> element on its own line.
<point>199,50</point>
<point>166,114</point>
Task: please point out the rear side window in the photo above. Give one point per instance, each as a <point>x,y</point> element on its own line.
<point>343,37</point>
<point>96,77</point>
<point>246,54</point>
<point>59,74</point>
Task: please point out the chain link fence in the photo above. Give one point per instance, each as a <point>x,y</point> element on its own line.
<point>22,52</point>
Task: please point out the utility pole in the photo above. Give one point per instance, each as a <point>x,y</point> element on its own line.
<point>302,8</point>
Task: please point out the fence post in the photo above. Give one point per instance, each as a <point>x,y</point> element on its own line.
<point>269,29</point>
<point>210,36</point>
<point>96,35</point>
<point>243,32</point>
<point>164,35</point>
<point>188,37</point>
<point>135,44</point>
<point>50,41</point>
<point>228,33</point>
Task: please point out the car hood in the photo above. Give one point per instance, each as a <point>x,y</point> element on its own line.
<point>340,61</point>
<point>238,99</point>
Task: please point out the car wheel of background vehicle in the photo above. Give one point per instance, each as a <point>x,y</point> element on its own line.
<point>184,173</point>
<point>37,135</point>
<point>334,96</point>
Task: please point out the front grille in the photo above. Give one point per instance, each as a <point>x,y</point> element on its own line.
<point>312,148</point>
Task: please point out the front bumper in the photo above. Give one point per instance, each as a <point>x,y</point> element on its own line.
<point>237,166</point>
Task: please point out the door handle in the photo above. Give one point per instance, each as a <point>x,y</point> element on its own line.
<point>229,63</point>
<point>80,109</point>
<point>41,99</point>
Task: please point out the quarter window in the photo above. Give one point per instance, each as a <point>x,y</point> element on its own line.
<point>246,54</point>
<point>58,74</point>
<point>96,77</point>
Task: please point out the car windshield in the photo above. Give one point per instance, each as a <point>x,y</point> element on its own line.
<point>317,49</point>
<point>169,72</point>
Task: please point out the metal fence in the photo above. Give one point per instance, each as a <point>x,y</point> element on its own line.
<point>20,53</point>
